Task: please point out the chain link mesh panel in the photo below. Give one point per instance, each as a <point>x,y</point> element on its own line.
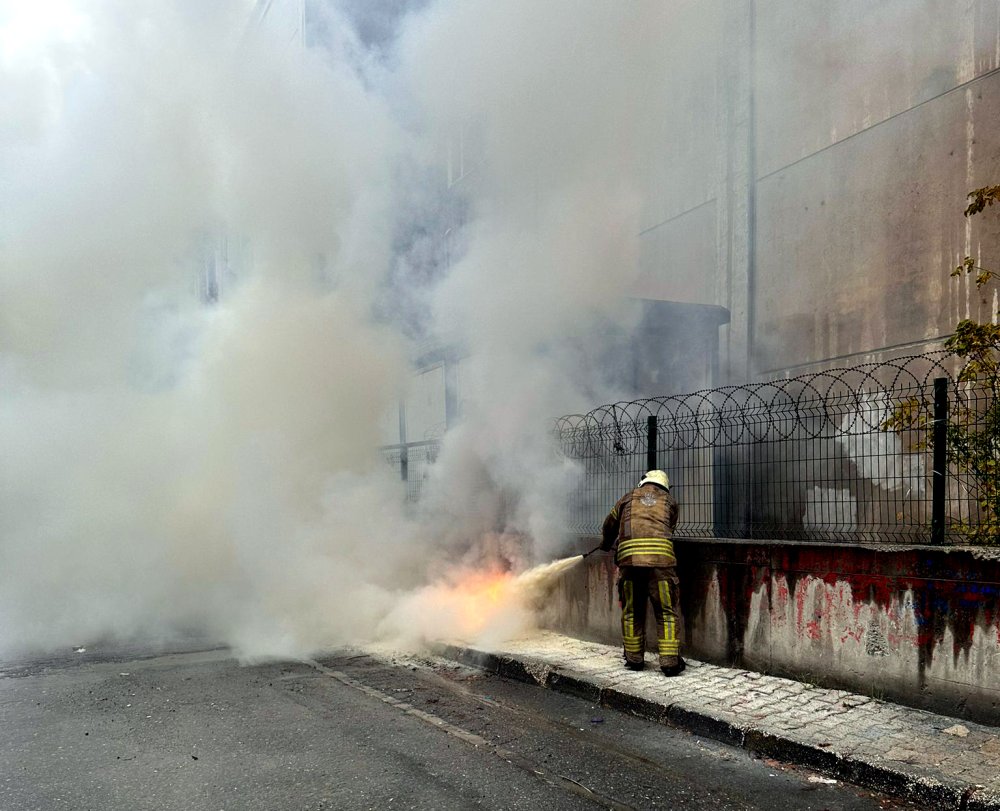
<point>811,457</point>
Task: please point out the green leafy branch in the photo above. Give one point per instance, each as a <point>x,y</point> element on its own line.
<point>981,198</point>
<point>972,437</point>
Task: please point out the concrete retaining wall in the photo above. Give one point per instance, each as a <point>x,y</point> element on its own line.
<point>916,625</point>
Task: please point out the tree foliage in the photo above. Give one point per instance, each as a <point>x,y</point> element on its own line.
<point>972,437</point>
<point>980,199</point>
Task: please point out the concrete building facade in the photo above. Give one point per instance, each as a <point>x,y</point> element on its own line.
<point>811,173</point>
<point>837,143</point>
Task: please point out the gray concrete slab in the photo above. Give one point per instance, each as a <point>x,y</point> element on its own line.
<point>198,730</point>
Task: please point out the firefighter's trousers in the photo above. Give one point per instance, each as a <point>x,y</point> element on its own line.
<point>637,586</point>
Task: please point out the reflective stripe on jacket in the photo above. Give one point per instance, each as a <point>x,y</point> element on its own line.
<point>639,527</point>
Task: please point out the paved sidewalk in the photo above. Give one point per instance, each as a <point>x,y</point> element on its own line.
<point>932,759</point>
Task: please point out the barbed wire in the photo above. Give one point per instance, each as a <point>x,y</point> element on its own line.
<point>848,400</point>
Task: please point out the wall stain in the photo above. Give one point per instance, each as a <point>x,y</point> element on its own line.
<point>921,594</point>
<point>952,590</point>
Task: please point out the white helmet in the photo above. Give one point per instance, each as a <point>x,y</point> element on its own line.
<point>656,477</point>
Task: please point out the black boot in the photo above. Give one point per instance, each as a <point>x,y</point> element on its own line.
<point>635,665</point>
<point>675,670</point>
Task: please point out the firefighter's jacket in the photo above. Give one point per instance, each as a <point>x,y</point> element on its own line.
<point>639,527</point>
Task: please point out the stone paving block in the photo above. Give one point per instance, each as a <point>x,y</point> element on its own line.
<point>634,703</point>
<point>713,684</point>
<point>706,724</point>
<point>531,671</point>
<point>576,684</point>
<point>768,688</point>
<point>744,704</point>
<point>983,800</point>
<point>782,748</point>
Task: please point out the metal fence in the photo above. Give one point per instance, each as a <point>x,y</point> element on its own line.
<point>843,455</point>
<point>892,452</point>
<point>413,461</point>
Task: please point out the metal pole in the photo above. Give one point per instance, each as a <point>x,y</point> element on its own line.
<point>651,443</point>
<point>450,394</point>
<point>404,456</point>
<point>940,459</point>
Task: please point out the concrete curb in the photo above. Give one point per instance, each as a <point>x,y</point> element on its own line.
<point>938,793</point>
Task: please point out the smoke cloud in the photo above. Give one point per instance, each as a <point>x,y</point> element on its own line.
<point>182,456</point>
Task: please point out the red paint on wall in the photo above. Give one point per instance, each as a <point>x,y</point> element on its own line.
<point>951,589</point>
<point>781,590</point>
<point>852,633</point>
<point>800,608</point>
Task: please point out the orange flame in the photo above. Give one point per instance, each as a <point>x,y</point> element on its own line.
<point>479,597</point>
<point>468,603</point>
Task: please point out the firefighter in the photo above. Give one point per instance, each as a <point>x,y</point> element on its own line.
<point>638,529</point>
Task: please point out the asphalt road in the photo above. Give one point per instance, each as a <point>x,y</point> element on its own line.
<point>196,730</point>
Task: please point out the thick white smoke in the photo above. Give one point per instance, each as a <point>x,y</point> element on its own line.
<point>170,465</point>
